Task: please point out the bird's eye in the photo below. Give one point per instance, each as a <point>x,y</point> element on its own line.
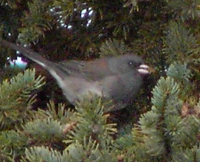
<point>130,63</point>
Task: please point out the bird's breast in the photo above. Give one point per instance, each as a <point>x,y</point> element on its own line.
<point>76,88</point>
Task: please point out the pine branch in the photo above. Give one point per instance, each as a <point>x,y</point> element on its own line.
<point>113,47</point>
<point>180,43</point>
<point>16,98</point>
<point>88,151</point>
<point>92,122</point>
<point>41,154</point>
<point>34,26</point>
<point>183,9</point>
<point>179,71</point>
<point>44,131</point>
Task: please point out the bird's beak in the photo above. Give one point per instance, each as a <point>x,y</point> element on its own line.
<point>145,69</point>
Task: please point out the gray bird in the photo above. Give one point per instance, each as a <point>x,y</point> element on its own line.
<point>116,78</point>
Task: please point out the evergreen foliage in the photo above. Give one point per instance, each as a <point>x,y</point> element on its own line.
<point>92,122</point>
<point>16,98</point>
<point>113,47</point>
<point>180,43</point>
<point>163,122</point>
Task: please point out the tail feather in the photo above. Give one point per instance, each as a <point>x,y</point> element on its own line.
<point>36,57</point>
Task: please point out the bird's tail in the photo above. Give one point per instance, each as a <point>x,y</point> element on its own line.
<point>34,56</point>
<point>57,73</point>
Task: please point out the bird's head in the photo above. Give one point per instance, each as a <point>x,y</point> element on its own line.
<point>128,63</point>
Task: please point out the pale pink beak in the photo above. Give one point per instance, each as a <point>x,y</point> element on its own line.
<point>143,69</point>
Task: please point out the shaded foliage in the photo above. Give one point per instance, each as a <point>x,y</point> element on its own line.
<point>163,122</point>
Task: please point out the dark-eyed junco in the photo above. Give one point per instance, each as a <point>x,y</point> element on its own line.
<point>117,78</point>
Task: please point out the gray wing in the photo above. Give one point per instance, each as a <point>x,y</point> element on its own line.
<point>94,70</point>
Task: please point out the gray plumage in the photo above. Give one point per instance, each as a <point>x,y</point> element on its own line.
<point>118,78</point>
